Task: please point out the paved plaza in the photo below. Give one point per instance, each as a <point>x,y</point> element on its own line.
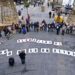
<point>35,13</point>
<point>38,63</point>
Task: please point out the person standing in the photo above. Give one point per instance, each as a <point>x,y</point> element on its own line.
<point>57,29</point>
<point>22,56</point>
<point>24,30</point>
<point>68,29</point>
<point>6,31</point>
<point>63,30</point>
<point>59,19</point>
<point>27,25</point>
<point>0,34</point>
<point>52,5</point>
<point>71,29</point>
<point>29,18</point>
<point>44,25</point>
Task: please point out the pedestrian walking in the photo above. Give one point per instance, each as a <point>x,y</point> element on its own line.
<point>19,12</point>
<point>0,34</point>
<point>22,56</point>
<point>50,14</point>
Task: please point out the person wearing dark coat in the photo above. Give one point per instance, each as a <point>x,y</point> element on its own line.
<point>27,25</point>
<point>36,26</point>
<point>57,29</point>
<point>63,31</point>
<point>22,56</point>
<point>71,29</point>
<point>19,12</point>
<point>50,14</point>
<point>0,34</point>
<point>45,25</point>
<point>6,31</point>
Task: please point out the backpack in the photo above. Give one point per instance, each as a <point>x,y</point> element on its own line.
<point>57,27</point>
<point>11,61</point>
<point>24,30</point>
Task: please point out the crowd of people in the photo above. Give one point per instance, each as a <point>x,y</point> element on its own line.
<point>36,27</point>
<point>58,26</point>
<point>24,26</point>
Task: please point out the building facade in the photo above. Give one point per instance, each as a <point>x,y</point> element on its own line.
<point>8,13</point>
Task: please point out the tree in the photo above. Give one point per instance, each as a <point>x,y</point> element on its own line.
<point>26,4</point>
